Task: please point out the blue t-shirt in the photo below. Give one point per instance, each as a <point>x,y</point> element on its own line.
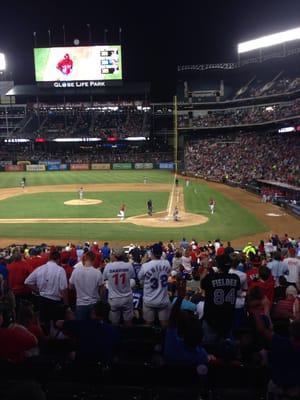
<point>3,271</point>
<point>186,305</point>
<point>176,350</point>
<point>105,252</point>
<point>284,362</point>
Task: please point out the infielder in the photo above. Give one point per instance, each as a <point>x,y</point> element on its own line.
<point>176,214</point>
<point>145,180</point>
<point>80,193</point>
<point>118,274</point>
<point>122,212</point>
<point>154,275</point>
<point>212,205</point>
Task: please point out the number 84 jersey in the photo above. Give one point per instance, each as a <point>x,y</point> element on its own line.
<point>155,275</point>
<point>220,296</point>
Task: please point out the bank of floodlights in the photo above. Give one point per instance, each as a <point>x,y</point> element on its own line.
<point>269,40</point>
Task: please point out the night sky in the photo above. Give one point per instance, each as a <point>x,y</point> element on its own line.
<point>156,35</point>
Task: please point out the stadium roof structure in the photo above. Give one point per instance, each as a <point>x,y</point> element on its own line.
<point>126,89</point>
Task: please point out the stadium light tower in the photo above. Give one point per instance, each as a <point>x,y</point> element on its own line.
<point>2,62</point>
<point>269,40</point>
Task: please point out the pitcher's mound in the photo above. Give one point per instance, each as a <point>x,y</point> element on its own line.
<point>84,202</point>
<point>161,220</point>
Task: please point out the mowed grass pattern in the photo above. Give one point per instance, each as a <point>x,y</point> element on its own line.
<point>13,179</point>
<point>51,205</point>
<point>230,221</point>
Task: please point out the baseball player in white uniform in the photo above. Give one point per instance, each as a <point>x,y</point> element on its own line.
<point>118,274</point>
<point>155,275</point>
<point>80,193</point>
<point>212,205</point>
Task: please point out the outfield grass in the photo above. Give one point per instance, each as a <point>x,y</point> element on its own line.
<point>12,179</point>
<point>230,221</point>
<point>51,205</point>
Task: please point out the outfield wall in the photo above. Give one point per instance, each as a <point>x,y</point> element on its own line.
<point>56,165</point>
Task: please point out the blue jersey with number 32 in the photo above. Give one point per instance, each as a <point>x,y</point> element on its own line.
<point>155,275</point>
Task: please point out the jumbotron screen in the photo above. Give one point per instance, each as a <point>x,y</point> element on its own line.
<point>78,64</point>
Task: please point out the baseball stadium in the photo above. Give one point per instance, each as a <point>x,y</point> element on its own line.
<point>149,220</point>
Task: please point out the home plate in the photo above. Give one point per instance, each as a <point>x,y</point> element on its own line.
<point>274,215</point>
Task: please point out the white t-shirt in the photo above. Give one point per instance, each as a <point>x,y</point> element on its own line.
<point>79,264</point>
<point>186,263</point>
<point>293,265</point>
<point>50,279</point>
<point>155,276</point>
<point>86,281</point>
<point>118,275</point>
<point>240,300</point>
<point>176,262</point>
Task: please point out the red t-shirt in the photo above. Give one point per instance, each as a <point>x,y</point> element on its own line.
<point>37,261</point>
<point>68,270</point>
<point>193,255</point>
<point>252,274</point>
<point>15,341</point>
<point>73,254</point>
<point>220,251</point>
<point>267,287</point>
<point>17,273</point>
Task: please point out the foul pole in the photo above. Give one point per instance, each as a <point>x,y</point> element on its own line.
<point>175,135</point>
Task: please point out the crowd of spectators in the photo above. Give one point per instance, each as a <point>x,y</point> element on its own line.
<point>240,116</point>
<point>212,306</point>
<point>88,154</point>
<point>86,121</point>
<point>245,157</point>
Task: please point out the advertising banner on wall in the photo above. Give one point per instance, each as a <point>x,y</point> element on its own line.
<point>166,165</point>
<point>3,163</point>
<point>35,168</point>
<point>100,166</point>
<point>53,167</point>
<point>11,168</point>
<point>79,167</point>
<point>57,167</point>
<point>143,166</point>
<point>122,166</point>
<point>49,162</point>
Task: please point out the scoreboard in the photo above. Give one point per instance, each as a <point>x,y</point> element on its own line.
<point>78,66</point>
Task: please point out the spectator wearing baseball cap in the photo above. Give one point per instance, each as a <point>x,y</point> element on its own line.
<point>154,275</point>
<point>118,273</point>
